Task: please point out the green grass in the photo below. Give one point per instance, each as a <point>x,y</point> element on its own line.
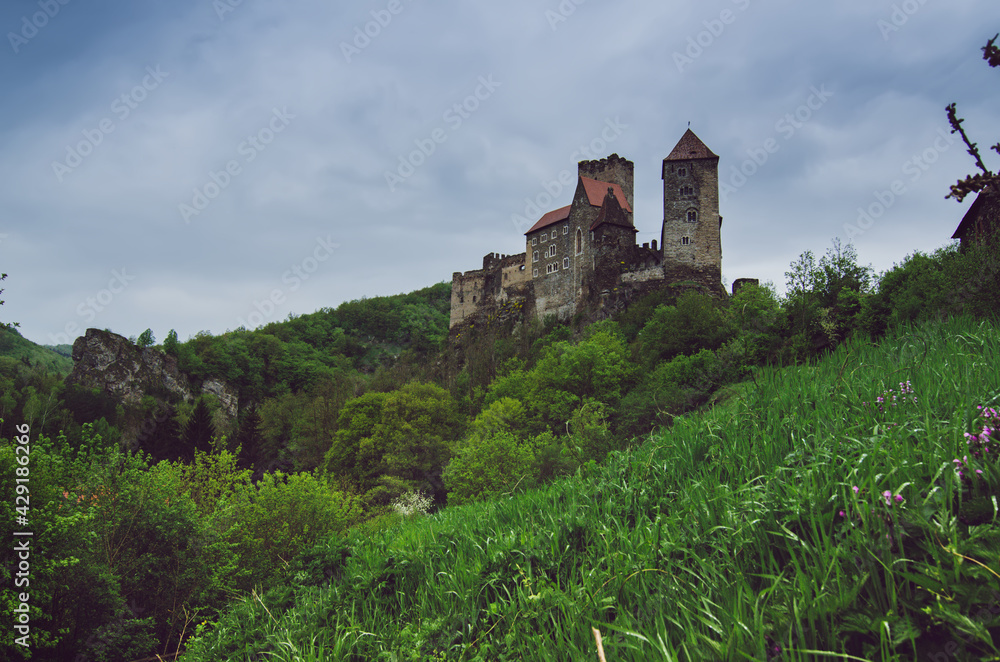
<point>721,539</point>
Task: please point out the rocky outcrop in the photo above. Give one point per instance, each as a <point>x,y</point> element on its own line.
<point>111,363</point>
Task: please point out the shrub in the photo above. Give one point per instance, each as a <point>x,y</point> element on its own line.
<point>270,523</point>
<point>488,465</point>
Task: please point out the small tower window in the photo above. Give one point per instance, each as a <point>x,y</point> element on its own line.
<point>687,189</point>
<point>534,241</point>
<point>565,263</point>
<point>579,241</point>
<point>685,241</point>
<point>682,172</point>
<point>565,229</point>
<point>544,236</point>
<point>692,216</point>
<point>534,256</point>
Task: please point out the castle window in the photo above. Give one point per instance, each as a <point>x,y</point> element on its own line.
<point>565,229</point>
<point>692,216</point>
<point>685,241</point>
<point>579,241</point>
<point>534,241</point>
<point>534,273</point>
<point>687,189</point>
<point>565,263</point>
<point>461,299</point>
<point>534,256</point>
<point>544,236</point>
<point>551,252</point>
<point>473,298</point>
<point>682,172</point>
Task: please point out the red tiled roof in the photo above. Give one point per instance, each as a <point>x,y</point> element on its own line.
<point>690,147</point>
<point>550,218</point>
<point>596,191</point>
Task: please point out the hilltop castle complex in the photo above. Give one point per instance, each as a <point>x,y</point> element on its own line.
<point>583,258</point>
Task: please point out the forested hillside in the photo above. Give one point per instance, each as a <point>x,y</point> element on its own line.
<point>15,346</point>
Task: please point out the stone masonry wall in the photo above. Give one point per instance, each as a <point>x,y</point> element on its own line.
<point>703,251</point>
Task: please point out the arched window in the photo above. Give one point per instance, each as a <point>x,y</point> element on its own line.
<point>579,241</point>
<point>692,215</point>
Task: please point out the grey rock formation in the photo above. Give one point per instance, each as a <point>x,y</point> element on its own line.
<point>111,363</point>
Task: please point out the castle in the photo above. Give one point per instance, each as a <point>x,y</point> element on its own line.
<point>583,258</point>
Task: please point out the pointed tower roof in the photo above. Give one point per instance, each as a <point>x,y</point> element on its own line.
<point>690,147</point>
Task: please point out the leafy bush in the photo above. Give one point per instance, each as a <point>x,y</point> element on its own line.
<point>486,465</point>
<point>696,322</point>
<point>271,522</point>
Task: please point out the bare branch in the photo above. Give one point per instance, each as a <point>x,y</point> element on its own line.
<point>956,127</point>
<point>991,52</point>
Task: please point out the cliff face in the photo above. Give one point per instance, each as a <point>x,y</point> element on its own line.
<point>109,362</point>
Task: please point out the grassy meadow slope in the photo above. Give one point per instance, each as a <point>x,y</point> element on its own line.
<point>803,516</point>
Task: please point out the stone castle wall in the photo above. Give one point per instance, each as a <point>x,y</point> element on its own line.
<point>572,266</point>
<point>503,278</point>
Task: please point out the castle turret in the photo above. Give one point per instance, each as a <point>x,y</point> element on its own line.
<point>691,237</point>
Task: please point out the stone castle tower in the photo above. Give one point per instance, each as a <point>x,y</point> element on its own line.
<point>692,227</point>
<point>583,257</point>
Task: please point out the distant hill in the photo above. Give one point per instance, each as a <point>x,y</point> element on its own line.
<point>62,350</point>
<point>54,359</point>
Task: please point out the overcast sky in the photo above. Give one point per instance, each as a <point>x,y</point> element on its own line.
<point>184,164</point>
